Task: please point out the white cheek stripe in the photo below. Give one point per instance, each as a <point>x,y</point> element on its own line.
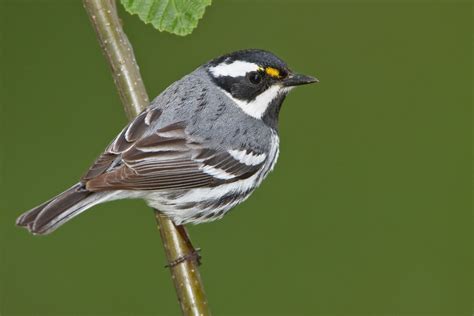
<point>235,69</point>
<point>259,105</point>
<point>248,159</point>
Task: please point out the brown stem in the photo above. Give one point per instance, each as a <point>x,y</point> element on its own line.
<point>119,54</point>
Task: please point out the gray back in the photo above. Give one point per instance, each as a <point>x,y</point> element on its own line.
<point>210,115</point>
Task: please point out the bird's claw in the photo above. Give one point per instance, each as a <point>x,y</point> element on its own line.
<point>194,255</point>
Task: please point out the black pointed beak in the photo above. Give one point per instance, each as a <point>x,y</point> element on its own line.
<point>298,80</point>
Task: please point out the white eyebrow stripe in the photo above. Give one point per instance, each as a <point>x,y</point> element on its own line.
<point>237,68</point>
<point>248,159</point>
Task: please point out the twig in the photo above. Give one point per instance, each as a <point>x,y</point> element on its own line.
<point>119,54</point>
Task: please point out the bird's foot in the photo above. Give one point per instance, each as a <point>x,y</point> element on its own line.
<point>192,256</point>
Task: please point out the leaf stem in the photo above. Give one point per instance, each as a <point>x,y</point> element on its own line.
<point>119,54</point>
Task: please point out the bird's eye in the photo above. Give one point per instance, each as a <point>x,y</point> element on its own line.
<point>283,74</point>
<point>255,77</point>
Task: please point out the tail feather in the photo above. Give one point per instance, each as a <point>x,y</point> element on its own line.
<point>48,216</point>
<point>28,217</point>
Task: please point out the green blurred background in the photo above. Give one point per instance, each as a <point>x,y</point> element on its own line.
<point>367,213</point>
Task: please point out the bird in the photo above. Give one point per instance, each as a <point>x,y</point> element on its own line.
<point>200,148</point>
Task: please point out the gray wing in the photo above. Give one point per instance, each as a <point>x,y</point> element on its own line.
<point>167,158</point>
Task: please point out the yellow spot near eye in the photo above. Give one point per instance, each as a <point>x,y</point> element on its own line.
<point>272,72</point>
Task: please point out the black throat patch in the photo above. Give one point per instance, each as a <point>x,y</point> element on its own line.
<point>270,117</point>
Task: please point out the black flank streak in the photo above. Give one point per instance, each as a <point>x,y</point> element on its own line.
<point>219,111</point>
<point>199,215</point>
<point>210,215</point>
<point>237,132</point>
<point>175,195</point>
<point>186,206</point>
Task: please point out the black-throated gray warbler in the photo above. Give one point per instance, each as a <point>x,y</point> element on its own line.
<point>200,148</point>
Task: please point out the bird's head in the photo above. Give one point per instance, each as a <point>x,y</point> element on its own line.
<point>256,80</point>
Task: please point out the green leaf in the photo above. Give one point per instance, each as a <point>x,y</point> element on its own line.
<point>175,16</point>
